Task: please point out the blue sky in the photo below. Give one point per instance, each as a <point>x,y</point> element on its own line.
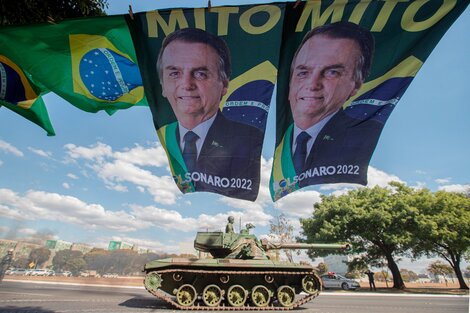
<point>106,178</point>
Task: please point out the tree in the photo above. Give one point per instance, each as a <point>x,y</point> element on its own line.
<point>322,268</point>
<point>39,256</point>
<point>356,267</point>
<point>444,228</point>
<point>21,262</point>
<point>378,221</point>
<point>31,11</point>
<point>408,275</point>
<point>437,268</point>
<point>282,231</point>
<point>68,260</point>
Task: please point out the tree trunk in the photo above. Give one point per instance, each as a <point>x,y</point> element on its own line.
<point>397,279</point>
<point>456,266</point>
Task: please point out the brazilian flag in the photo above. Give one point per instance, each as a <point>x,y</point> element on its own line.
<point>90,62</point>
<point>19,94</point>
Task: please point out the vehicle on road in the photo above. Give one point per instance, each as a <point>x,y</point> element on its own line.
<point>335,281</point>
<point>63,273</point>
<point>239,271</point>
<point>41,272</point>
<point>18,271</point>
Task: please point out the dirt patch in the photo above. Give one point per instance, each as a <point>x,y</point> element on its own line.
<point>418,288</point>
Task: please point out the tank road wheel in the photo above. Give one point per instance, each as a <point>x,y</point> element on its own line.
<point>260,296</point>
<point>310,284</point>
<point>236,296</point>
<point>212,295</point>
<point>153,281</point>
<point>285,295</point>
<point>186,295</point>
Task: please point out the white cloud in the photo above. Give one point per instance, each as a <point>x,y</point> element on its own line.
<point>27,231</point>
<point>39,205</point>
<point>72,176</point>
<point>376,177</point>
<point>98,151</point>
<point>442,181</point>
<point>40,152</point>
<point>139,155</point>
<point>118,168</point>
<point>298,204</point>
<point>420,172</point>
<point>66,185</point>
<point>456,188</point>
<point>5,146</point>
<point>253,212</point>
<point>419,185</point>
<point>1,162</point>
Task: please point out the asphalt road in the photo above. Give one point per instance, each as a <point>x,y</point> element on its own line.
<point>48,298</point>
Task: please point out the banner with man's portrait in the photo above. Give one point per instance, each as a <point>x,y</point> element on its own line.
<point>344,65</point>
<point>209,75</point>
<point>340,67</point>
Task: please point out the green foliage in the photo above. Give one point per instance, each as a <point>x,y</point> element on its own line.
<point>438,268</point>
<point>68,260</point>
<point>39,256</point>
<point>408,275</point>
<point>444,228</point>
<point>322,268</point>
<point>379,222</point>
<point>357,264</point>
<point>36,11</point>
<point>21,262</point>
<point>122,262</point>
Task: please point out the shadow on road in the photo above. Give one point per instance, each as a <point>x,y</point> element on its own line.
<point>145,303</point>
<point>28,309</point>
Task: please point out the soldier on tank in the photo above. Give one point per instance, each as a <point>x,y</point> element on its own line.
<point>229,227</point>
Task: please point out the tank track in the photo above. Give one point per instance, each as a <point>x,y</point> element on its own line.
<point>161,295</point>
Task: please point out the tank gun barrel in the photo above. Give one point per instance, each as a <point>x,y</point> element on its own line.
<point>316,246</point>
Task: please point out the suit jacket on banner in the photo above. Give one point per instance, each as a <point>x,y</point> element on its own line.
<point>229,161</point>
<point>343,149</point>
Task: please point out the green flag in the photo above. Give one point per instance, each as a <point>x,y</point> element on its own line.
<point>209,76</point>
<point>90,62</point>
<point>19,94</point>
<point>344,65</point>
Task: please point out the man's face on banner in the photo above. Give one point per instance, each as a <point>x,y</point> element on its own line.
<point>322,78</point>
<point>191,80</point>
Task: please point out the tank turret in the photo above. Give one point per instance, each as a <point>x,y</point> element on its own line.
<point>239,276</point>
<point>246,246</point>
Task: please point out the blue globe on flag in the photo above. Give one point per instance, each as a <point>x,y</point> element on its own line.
<point>11,86</point>
<point>108,75</point>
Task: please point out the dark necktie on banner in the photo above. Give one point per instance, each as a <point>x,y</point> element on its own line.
<point>300,153</point>
<point>190,150</point>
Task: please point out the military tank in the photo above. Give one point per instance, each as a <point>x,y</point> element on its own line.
<point>238,275</point>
